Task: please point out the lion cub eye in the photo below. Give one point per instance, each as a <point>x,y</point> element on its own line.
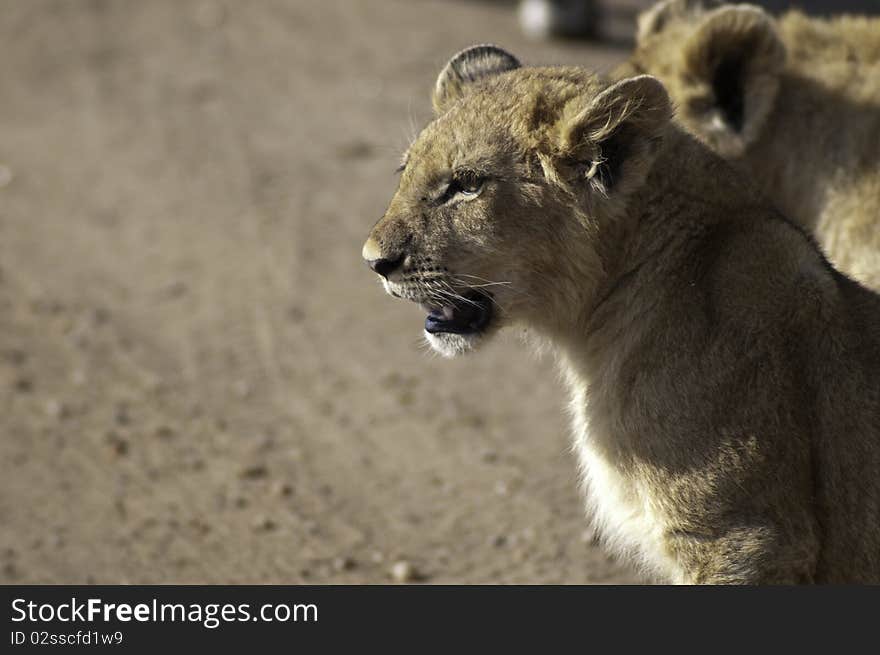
<point>468,182</point>
<point>464,184</point>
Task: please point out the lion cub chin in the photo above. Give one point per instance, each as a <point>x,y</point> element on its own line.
<point>724,378</point>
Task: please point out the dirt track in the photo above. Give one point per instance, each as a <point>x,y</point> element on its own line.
<point>200,381</point>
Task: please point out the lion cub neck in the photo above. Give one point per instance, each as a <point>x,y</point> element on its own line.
<point>668,239</point>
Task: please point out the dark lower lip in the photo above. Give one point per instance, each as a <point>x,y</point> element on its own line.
<point>469,317</point>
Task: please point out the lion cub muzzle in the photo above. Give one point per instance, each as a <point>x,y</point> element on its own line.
<point>381,264</point>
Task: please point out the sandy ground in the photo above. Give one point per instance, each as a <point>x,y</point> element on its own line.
<point>200,381</point>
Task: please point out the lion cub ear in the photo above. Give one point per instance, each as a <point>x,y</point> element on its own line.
<point>655,19</point>
<point>612,141</point>
<point>468,66</point>
<point>731,65</point>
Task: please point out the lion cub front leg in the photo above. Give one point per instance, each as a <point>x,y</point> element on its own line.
<point>762,554</point>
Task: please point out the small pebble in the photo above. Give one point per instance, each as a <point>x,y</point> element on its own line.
<point>344,564</point>
<point>117,443</point>
<point>56,409</point>
<point>98,316</point>
<point>174,289</point>
<point>23,385</point>
<point>264,524</point>
<point>200,526</point>
<point>6,175</point>
<point>121,415</point>
<point>194,462</point>
<point>265,443</point>
<point>10,571</point>
<point>255,472</point>
<point>283,489</point>
<point>403,571</point>
<point>243,389</point>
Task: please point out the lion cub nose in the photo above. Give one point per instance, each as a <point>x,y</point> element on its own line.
<point>384,266</point>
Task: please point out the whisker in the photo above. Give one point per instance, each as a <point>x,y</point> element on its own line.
<point>480,286</point>
<point>508,285</point>
<point>453,297</point>
<point>477,277</point>
<point>487,283</point>
<point>457,296</point>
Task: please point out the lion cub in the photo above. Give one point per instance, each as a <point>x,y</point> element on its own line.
<point>794,102</point>
<point>724,378</point>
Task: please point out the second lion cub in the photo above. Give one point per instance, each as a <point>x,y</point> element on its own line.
<point>793,102</point>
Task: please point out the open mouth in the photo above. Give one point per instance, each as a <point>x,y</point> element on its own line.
<point>468,315</point>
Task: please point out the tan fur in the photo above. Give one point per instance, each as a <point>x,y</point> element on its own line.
<point>811,94</point>
<point>724,379</point>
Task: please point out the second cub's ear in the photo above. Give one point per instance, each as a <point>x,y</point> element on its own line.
<point>732,64</point>
<point>655,19</point>
<point>611,142</point>
<point>466,68</point>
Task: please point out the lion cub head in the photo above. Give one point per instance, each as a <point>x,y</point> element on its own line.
<point>507,197</point>
<point>720,63</point>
